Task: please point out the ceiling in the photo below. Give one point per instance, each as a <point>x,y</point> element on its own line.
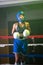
<point>7,3</point>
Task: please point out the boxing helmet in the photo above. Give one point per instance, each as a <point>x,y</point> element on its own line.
<point>18,16</point>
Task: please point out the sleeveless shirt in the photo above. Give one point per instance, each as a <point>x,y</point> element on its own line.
<point>20,29</point>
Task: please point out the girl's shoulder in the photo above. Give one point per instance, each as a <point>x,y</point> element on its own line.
<point>27,23</point>
<point>15,24</point>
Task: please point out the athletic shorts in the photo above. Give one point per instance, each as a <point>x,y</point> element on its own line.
<point>20,46</point>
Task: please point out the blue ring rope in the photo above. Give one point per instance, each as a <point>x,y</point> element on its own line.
<point>29,55</point>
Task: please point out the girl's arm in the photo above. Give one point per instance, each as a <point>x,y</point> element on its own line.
<point>13,28</point>
<point>27,24</point>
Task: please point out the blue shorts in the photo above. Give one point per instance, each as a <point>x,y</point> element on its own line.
<point>20,46</point>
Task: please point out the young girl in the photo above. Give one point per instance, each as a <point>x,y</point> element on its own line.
<point>20,45</point>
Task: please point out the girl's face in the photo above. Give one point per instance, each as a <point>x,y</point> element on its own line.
<point>22,17</point>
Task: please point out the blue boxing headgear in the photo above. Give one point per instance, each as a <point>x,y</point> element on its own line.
<point>18,16</point>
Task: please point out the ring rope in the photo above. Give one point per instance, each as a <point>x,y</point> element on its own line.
<point>3,45</point>
<point>28,55</point>
<point>31,36</point>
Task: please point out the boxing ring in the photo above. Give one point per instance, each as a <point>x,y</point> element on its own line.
<point>30,55</point>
